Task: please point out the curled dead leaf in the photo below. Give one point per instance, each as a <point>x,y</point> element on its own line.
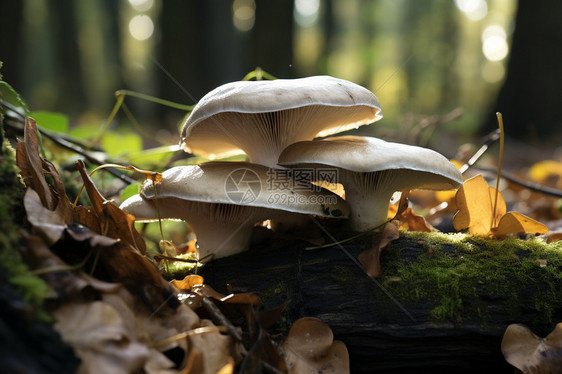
<point>64,283</point>
<point>216,349</point>
<point>410,220</point>
<point>101,339</point>
<point>31,165</point>
<point>530,353</point>
<point>370,259</point>
<point>106,218</point>
<point>554,236</point>
<point>187,282</point>
<point>310,348</point>
<point>50,224</point>
<point>240,298</point>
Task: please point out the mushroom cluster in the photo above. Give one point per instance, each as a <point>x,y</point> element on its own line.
<point>275,123</point>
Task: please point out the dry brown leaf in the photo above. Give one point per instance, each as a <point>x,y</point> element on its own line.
<point>31,165</point>
<point>310,348</point>
<point>111,220</point>
<point>531,354</point>
<point>194,363</point>
<point>100,338</point>
<point>63,284</point>
<point>554,236</point>
<point>370,259</point>
<point>475,201</point>
<point>240,298</point>
<point>187,282</point>
<point>217,349</point>
<point>410,220</point>
<point>148,329</point>
<point>188,247</point>
<point>513,223</point>
<point>50,224</point>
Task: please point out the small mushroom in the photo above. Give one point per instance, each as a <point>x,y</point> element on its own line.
<point>371,170</point>
<point>310,348</point>
<point>261,118</point>
<point>223,201</point>
<point>531,354</point>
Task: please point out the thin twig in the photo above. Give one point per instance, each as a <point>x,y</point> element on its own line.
<point>71,145</point>
<point>533,186</point>
<point>221,318</point>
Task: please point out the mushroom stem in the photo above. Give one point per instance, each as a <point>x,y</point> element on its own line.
<point>368,210</point>
<point>221,229</point>
<point>368,196</point>
<point>220,240</point>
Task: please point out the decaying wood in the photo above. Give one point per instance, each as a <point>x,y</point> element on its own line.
<point>384,332</point>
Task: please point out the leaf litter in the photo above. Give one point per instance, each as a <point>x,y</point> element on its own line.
<point>112,305</point>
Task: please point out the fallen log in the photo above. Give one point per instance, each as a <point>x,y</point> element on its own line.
<point>442,303</point>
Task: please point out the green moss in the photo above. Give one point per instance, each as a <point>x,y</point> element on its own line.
<point>461,275</point>
<point>12,267</point>
<point>178,269</point>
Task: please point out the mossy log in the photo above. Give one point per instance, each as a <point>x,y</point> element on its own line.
<point>442,303</point>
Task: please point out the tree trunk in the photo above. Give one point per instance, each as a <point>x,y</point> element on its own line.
<point>274,57</point>
<point>438,305</point>
<point>530,97</point>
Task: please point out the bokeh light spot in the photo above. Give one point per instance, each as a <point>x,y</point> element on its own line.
<point>473,9</point>
<point>306,12</point>
<point>244,14</point>
<point>141,5</point>
<point>493,71</point>
<point>495,48</point>
<point>141,27</point>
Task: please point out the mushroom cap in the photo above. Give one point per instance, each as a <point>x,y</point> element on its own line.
<point>243,184</point>
<point>367,155</point>
<point>304,108</point>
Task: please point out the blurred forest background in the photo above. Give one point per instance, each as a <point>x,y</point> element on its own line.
<point>428,61</point>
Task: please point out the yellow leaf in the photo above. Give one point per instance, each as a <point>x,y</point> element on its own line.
<point>475,201</point>
<point>412,221</point>
<point>186,283</point>
<point>514,222</point>
<point>540,171</point>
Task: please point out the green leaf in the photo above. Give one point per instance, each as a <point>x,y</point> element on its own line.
<point>116,144</point>
<point>153,158</point>
<point>130,190</point>
<point>84,132</point>
<point>56,122</point>
<point>10,96</point>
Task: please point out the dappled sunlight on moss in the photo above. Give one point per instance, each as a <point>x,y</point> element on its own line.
<point>505,274</point>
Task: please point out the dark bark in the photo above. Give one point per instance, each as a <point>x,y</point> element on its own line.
<point>379,334</point>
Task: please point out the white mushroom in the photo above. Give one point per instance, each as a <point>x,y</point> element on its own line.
<point>371,170</point>
<point>224,200</point>
<point>261,118</point>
